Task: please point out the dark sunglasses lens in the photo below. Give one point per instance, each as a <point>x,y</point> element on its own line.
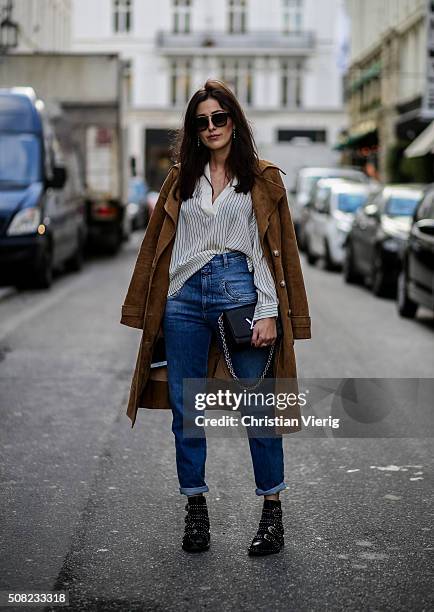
<point>220,119</point>
<point>201,123</point>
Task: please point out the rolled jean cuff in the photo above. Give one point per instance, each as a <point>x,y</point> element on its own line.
<point>275,489</point>
<point>193,490</point>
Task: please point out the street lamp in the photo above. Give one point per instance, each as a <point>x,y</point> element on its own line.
<point>8,30</point>
<point>8,34</point>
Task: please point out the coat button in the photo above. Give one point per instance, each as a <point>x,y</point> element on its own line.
<point>276,253</point>
<point>282,283</point>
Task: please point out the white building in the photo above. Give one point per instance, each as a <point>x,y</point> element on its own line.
<point>279,56</point>
<point>43,25</point>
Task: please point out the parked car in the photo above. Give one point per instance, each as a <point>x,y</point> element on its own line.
<point>416,278</point>
<point>42,216</point>
<point>304,191</point>
<point>330,218</point>
<point>137,208</point>
<point>376,241</point>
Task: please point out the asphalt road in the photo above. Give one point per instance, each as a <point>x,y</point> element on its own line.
<point>91,506</point>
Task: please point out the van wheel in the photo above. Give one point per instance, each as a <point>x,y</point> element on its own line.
<point>75,263</point>
<point>43,274</point>
<point>114,244</point>
<point>406,307</point>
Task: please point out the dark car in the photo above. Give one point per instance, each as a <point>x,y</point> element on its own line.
<point>416,279</point>
<point>42,217</point>
<point>376,241</point>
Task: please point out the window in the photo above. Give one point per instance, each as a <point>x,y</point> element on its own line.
<point>310,135</point>
<point>291,83</point>
<point>292,15</point>
<point>322,199</point>
<point>181,16</point>
<point>238,74</point>
<point>237,13</point>
<point>122,15</point>
<point>180,81</point>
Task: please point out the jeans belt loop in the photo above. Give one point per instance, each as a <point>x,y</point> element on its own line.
<point>225,260</point>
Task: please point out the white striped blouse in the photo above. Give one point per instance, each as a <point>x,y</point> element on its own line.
<point>206,229</point>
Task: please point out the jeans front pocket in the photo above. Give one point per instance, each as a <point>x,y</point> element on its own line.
<point>176,294</point>
<point>239,290</point>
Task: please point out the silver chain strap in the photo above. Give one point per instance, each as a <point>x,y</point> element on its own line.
<point>228,359</point>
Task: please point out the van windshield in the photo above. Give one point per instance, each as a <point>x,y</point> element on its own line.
<point>20,158</point>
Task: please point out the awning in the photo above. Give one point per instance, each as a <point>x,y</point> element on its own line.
<point>366,75</point>
<point>365,129</point>
<point>423,144</point>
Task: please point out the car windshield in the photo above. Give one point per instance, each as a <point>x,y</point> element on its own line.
<point>350,202</point>
<point>20,158</point>
<point>401,206</point>
<point>308,183</point>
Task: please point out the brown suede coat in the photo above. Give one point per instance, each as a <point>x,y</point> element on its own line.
<point>145,301</point>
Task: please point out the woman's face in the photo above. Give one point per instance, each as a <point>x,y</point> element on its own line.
<point>215,138</point>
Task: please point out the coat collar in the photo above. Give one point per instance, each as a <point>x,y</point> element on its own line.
<point>266,193</point>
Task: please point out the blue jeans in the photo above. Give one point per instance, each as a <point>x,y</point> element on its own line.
<point>190,319</point>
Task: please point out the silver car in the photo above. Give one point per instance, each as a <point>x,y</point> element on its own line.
<point>304,190</point>
<point>330,218</point>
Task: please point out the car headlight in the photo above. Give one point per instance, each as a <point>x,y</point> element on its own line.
<point>26,221</point>
<point>390,244</point>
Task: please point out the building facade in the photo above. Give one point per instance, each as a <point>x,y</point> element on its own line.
<point>278,56</point>
<point>390,84</point>
<point>43,25</point>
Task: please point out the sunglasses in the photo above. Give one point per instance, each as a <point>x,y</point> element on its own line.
<point>218,119</point>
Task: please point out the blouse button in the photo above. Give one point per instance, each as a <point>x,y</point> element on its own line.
<point>276,253</point>
<point>282,283</point>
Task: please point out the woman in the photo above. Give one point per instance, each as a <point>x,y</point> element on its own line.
<point>216,263</point>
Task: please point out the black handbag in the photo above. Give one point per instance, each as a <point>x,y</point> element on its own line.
<point>236,330</point>
<point>159,358</point>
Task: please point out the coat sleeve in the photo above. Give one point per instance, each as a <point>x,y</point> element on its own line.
<point>134,304</point>
<point>298,304</point>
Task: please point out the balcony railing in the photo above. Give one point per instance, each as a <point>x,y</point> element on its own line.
<point>222,43</point>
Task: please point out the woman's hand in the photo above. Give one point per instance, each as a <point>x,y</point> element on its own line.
<point>264,332</point>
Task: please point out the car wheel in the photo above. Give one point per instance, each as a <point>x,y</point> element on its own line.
<point>378,279</point>
<point>329,264</point>
<point>311,258</point>
<point>348,268</point>
<point>406,307</point>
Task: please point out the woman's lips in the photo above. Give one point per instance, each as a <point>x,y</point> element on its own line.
<point>214,137</point>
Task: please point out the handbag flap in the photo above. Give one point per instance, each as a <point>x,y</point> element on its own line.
<point>238,321</point>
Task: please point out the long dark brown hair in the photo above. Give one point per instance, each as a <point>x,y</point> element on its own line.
<point>242,160</point>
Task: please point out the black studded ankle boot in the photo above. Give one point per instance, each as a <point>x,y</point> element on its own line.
<point>197,533</point>
<point>269,538</point>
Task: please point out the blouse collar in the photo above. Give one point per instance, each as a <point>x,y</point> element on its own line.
<point>207,174</point>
